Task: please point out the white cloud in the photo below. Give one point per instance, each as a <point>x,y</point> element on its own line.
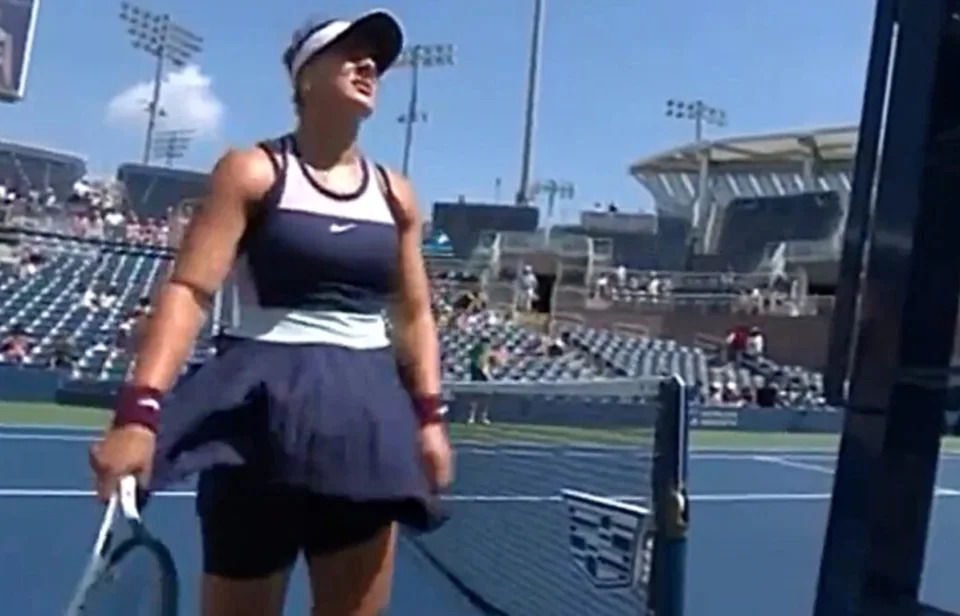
<point>186,98</point>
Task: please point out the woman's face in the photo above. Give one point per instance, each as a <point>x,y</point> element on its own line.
<point>342,76</point>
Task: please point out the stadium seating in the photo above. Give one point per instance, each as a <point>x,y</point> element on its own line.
<point>523,357</point>
<point>633,356</point>
<point>50,305</point>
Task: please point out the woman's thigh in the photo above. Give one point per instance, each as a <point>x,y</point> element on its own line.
<point>251,535</point>
<point>355,579</point>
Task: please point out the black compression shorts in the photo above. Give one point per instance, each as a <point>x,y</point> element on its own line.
<point>250,529</point>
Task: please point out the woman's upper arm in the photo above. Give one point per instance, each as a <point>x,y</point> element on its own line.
<point>414,285</point>
<point>239,179</point>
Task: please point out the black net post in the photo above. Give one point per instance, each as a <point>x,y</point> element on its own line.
<point>671,505</point>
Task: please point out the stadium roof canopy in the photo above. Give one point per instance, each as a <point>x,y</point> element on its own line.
<point>38,151</point>
<point>836,144</point>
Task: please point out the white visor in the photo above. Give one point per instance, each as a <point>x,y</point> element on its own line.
<point>380,27</point>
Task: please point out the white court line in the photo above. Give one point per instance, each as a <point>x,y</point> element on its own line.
<point>479,498</point>
<point>469,447</point>
<point>456,498</point>
<point>61,493</point>
<point>804,466</point>
<point>787,457</point>
<point>43,431</point>
<point>51,427</point>
<point>533,450</point>
<point>55,438</point>
<point>524,453</point>
<point>600,454</point>
<point>751,456</point>
<point>825,470</point>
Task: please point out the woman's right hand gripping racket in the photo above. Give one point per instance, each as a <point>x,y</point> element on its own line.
<point>130,573</point>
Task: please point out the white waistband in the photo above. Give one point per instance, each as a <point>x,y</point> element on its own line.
<point>351,330</point>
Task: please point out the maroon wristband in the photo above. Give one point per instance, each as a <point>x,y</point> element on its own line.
<point>429,408</point>
<point>137,405</point>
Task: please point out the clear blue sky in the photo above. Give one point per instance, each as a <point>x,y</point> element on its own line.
<point>608,68</point>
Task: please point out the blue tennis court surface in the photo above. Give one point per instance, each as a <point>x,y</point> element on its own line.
<point>758,523</point>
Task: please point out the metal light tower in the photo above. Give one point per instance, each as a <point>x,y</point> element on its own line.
<point>525,191</point>
<point>417,57</point>
<point>554,189</point>
<point>699,112</point>
<point>171,145</point>
<point>166,41</point>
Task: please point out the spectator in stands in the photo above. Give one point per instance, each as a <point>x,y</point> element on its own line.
<point>715,392</point>
<point>755,343</point>
<point>527,289</point>
<point>729,394</point>
<point>16,344</point>
<point>100,346</point>
<point>90,298</point>
<point>96,226</point>
<point>557,345</point>
<point>621,274</point>
<point>469,309</point>
<point>758,301</point>
<point>601,287</point>
<point>109,298</point>
<point>127,333</point>
<point>767,394</point>
<point>163,234</point>
<point>142,309</point>
<point>114,226</point>
<point>466,303</point>
<point>655,286</point>
<point>736,342</point>
<point>64,353</point>
<point>480,363</point>
<point>29,264</point>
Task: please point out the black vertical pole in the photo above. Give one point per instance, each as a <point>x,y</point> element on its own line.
<point>860,210</point>
<point>883,491</point>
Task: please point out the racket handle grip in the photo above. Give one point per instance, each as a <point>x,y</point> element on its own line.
<point>128,497</point>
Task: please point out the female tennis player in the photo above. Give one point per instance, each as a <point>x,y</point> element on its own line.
<point>306,436</point>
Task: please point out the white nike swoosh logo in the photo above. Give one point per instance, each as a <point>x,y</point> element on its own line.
<point>150,403</point>
<point>335,228</point>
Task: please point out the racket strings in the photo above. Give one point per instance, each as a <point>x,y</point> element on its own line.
<point>130,585</point>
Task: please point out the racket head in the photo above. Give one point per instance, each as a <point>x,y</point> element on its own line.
<point>138,565</point>
<point>115,552</point>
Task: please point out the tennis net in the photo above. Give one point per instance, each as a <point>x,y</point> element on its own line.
<point>570,501</point>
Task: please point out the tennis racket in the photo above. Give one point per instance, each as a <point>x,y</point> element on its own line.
<point>130,573</point>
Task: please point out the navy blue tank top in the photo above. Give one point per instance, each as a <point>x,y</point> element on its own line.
<point>315,266</point>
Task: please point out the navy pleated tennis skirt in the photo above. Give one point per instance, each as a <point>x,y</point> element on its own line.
<point>331,420</point>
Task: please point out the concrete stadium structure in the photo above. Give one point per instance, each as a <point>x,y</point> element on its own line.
<point>25,167</point>
<point>151,190</point>
<point>694,184</point>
